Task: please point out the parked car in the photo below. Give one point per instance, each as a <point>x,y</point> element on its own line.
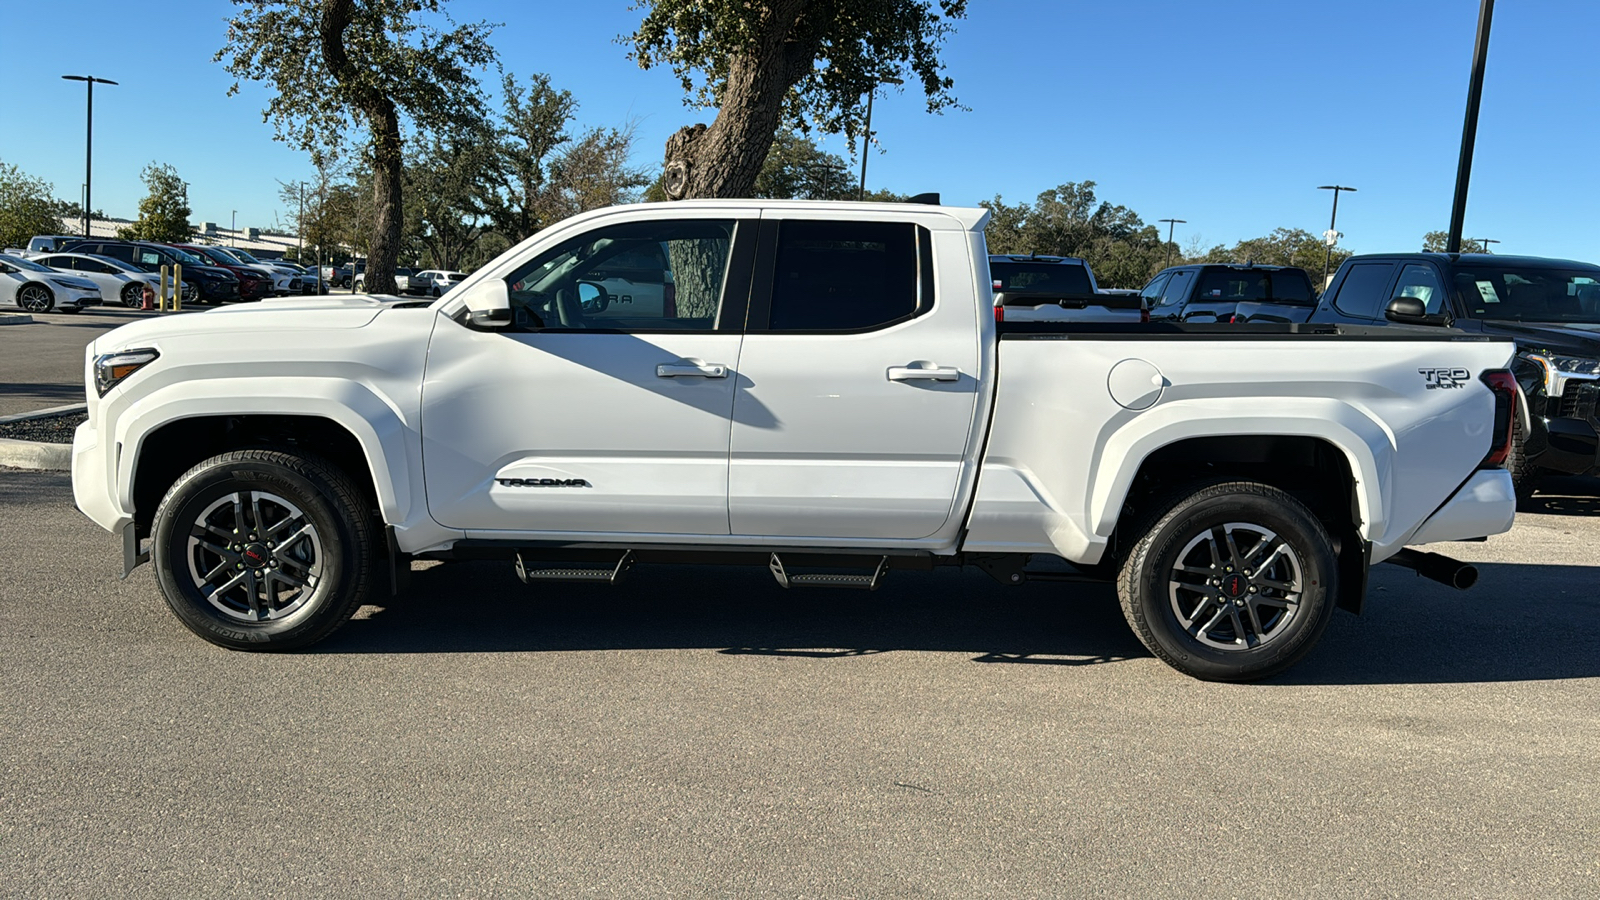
<point>308,277</point>
<point>434,282</point>
<point>285,279</point>
<point>1228,293</point>
<point>254,284</point>
<point>49,243</point>
<point>402,280</point>
<point>1550,307</point>
<point>40,289</point>
<point>1056,289</point>
<point>211,284</point>
<point>340,276</point>
<point>824,408</point>
<point>116,279</point>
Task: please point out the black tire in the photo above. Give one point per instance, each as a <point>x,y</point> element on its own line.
<point>133,295</point>
<point>1256,628</point>
<point>35,297</point>
<point>1525,476</point>
<point>275,494</point>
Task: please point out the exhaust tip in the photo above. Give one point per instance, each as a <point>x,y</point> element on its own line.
<point>1465,577</point>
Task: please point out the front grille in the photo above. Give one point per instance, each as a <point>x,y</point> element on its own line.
<point>294,284</point>
<point>1578,400</point>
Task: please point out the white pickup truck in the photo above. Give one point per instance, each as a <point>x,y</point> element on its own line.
<point>822,390</point>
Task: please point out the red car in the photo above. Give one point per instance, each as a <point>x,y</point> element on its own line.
<point>253,283</point>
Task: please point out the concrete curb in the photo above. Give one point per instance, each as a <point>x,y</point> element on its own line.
<point>45,413</point>
<point>34,455</point>
<point>10,319</point>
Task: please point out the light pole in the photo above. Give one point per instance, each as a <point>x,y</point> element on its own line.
<point>1331,236</point>
<point>1171,224</point>
<point>866,141</point>
<point>88,142</point>
<point>1482,242</point>
<point>233,229</point>
<point>1469,128</point>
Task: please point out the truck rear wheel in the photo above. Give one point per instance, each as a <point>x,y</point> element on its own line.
<point>1230,582</point>
<point>264,550</point>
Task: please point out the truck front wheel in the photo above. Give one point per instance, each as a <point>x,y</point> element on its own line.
<point>264,550</point>
<point>1230,582</point>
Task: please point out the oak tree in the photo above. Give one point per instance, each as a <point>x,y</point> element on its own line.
<point>373,63</point>
<point>27,207</point>
<point>801,63</point>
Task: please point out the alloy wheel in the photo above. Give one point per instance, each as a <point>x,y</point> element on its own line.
<point>1236,586</point>
<point>34,298</point>
<point>255,556</point>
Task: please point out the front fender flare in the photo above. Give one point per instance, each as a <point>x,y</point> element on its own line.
<point>377,426</point>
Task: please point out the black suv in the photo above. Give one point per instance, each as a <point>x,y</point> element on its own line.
<point>210,284</point>
<point>1550,307</point>
<point>1221,292</point>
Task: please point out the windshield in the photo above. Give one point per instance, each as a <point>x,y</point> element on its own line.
<point>242,255</point>
<point>27,264</point>
<point>1039,278</point>
<point>1530,294</point>
<point>1247,285</point>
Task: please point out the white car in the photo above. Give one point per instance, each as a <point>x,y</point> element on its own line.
<point>117,280</point>
<point>821,392</point>
<point>40,289</point>
<point>284,279</point>
<point>434,282</point>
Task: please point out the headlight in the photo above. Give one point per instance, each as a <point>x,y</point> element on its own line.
<point>111,368</point>
<point>68,284</point>
<point>1557,369</point>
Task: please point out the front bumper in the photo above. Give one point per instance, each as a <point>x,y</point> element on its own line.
<point>219,290</point>
<point>94,479</point>
<point>1566,438</point>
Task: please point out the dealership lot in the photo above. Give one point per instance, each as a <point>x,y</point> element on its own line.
<point>41,363</point>
<point>700,731</point>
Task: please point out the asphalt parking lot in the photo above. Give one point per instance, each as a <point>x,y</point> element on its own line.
<point>700,732</point>
<point>41,363</point>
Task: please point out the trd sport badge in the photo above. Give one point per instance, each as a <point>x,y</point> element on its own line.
<point>1436,379</point>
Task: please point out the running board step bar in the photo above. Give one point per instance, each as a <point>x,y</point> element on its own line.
<point>860,581</point>
<point>594,575</point>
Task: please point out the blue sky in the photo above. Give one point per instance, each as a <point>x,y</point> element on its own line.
<point>1226,113</point>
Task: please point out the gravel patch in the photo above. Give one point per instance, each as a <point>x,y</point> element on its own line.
<point>48,430</point>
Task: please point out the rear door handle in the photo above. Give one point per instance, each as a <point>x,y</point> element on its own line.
<point>691,370</point>
<point>932,373</point>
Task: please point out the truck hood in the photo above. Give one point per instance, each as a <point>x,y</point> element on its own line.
<point>1575,338</point>
<point>288,314</point>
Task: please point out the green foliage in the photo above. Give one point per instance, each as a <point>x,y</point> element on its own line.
<point>1070,221</point>
<point>1283,247</point>
<point>529,170</point>
<point>797,169</point>
<point>27,207</point>
<point>1436,241</point>
<point>835,50</point>
<point>426,73</point>
<point>164,212</point>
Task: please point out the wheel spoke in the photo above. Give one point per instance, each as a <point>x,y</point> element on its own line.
<point>1199,608</point>
<point>1205,630</point>
<point>258,525</point>
<point>230,584</point>
<point>1233,549</point>
<point>1240,635</point>
<point>288,579</point>
<point>1278,585</point>
<point>1255,621</point>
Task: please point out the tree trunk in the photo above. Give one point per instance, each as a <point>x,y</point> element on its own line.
<point>725,159</point>
<point>384,121</point>
<point>384,252</point>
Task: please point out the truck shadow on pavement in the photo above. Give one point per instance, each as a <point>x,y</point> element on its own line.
<point>481,607</point>
<point>1573,496</point>
<point>1522,622</point>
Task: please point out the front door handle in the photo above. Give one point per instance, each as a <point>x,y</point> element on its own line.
<point>691,370</point>
<point>929,373</point>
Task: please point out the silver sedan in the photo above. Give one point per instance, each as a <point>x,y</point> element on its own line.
<point>39,289</point>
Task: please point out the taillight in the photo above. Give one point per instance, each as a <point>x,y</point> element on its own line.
<point>1504,386</point>
<point>1144,315</point>
<point>999,313</point>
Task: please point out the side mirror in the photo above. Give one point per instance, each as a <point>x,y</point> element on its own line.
<point>1408,310</point>
<point>488,304</point>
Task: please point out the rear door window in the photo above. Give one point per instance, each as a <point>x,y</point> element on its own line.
<point>1152,291</point>
<point>1363,290</point>
<point>845,276</point>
